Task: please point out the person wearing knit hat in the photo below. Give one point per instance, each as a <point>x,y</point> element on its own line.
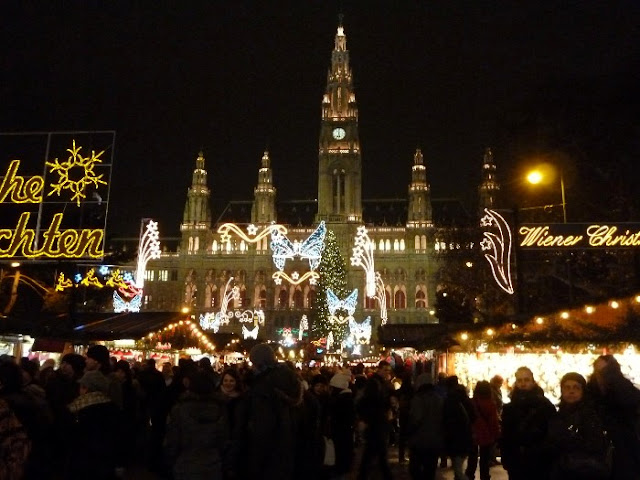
<point>262,357</point>
<point>94,381</point>
<point>572,387</point>
<point>98,358</point>
<point>72,365</point>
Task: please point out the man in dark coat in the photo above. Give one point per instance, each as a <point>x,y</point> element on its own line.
<point>525,421</point>
<point>274,393</point>
<point>426,429</point>
<point>459,415</point>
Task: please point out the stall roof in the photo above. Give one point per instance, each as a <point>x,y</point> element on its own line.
<point>420,336</point>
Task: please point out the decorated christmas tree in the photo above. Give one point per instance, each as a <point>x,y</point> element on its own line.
<point>333,275</point>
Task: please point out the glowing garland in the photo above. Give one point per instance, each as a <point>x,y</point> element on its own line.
<point>295,278</point>
<point>310,249</point>
<point>148,248</point>
<point>91,280</point>
<point>500,258</point>
<point>226,229</point>
<point>363,256</point>
<point>213,321</point>
<point>63,283</point>
<point>193,329</point>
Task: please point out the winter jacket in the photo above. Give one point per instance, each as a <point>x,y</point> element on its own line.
<point>426,423</point>
<point>486,428</point>
<point>525,422</point>
<point>342,419</point>
<point>459,415</point>
<point>197,436</point>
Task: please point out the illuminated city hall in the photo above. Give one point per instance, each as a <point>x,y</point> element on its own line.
<point>409,234</point>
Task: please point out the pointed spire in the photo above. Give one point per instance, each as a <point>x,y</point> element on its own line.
<point>419,194</point>
<point>489,186</point>
<point>418,159</point>
<point>264,194</point>
<point>266,163</point>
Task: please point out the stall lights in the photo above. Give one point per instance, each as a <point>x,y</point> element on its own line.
<point>614,304</point>
<point>464,336</point>
<point>589,309</point>
<point>564,315</point>
<point>539,320</point>
<point>490,331</point>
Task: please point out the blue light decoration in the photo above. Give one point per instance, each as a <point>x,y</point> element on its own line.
<point>127,277</point>
<point>310,249</point>
<point>499,246</point>
<point>360,332</point>
<point>349,304</point>
<point>78,277</point>
<point>119,305</point>
<point>103,270</point>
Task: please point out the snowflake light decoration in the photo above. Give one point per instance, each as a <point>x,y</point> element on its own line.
<point>75,162</point>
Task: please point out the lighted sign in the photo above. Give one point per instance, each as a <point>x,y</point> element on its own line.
<point>498,245</point>
<point>56,209</point>
<point>579,235</point>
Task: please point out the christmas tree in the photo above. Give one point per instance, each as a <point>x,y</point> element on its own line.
<point>333,275</point>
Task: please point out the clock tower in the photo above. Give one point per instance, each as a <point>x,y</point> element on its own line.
<point>340,162</point>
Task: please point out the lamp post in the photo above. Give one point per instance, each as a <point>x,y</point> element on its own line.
<point>537,176</point>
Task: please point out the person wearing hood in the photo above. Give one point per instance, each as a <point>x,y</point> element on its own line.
<point>342,419</point>
<point>275,392</point>
<point>486,430</point>
<point>525,422</point>
<point>425,429</point>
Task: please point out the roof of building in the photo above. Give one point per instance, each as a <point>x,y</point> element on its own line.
<point>419,336</point>
<point>380,212</point>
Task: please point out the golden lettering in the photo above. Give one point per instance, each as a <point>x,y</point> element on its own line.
<point>57,243</point>
<point>14,186</point>
<point>605,236</point>
<point>540,237</point>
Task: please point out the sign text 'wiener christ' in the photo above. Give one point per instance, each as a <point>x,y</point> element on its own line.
<point>579,235</point>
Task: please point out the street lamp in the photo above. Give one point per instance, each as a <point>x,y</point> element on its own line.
<point>539,175</point>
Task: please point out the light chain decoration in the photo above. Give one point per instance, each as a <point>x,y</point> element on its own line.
<point>310,249</point>
<point>499,246</point>
<point>63,283</point>
<point>230,294</point>
<point>304,326</point>
<point>349,304</point>
<point>120,306</point>
<point>246,333</point>
<point>363,257</point>
<point>361,332</point>
<point>288,340</point>
<point>210,321</point>
<point>382,298</point>
<point>226,229</point>
<point>149,248</point>
<point>295,278</point>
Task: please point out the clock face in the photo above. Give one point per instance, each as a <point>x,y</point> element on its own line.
<point>339,133</point>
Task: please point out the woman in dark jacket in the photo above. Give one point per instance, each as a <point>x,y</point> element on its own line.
<point>458,418</point>
<point>342,418</point>
<point>618,403</point>
<point>576,436</point>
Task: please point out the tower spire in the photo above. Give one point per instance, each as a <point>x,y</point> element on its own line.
<point>196,220</point>
<point>420,214</point>
<point>263,209</point>
<point>340,165</point>
<point>489,186</point>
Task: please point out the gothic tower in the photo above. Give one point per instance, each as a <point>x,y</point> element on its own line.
<point>263,209</point>
<point>419,195</point>
<point>340,162</point>
<point>196,221</point>
<point>489,187</point>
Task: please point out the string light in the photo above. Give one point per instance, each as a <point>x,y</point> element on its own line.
<point>310,249</point>
<point>148,248</point>
<point>349,304</point>
<point>500,246</point>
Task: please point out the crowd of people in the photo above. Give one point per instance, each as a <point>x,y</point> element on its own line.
<point>95,417</point>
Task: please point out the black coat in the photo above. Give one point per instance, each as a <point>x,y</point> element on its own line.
<point>619,408</point>
<point>459,415</point>
<point>342,418</point>
<point>525,422</point>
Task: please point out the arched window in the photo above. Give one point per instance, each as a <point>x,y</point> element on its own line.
<point>421,297</point>
<point>402,244</point>
<point>370,303</point>
<point>262,302</point>
<point>214,246</point>
<point>196,244</point>
<point>416,242</point>
<point>243,246</point>
<point>190,244</point>
<point>298,299</point>
<point>311,297</point>
<point>283,298</point>
<point>387,296</point>
<point>423,240</point>
<point>387,245</point>
<point>396,245</point>
<point>381,246</point>
<point>400,300</point>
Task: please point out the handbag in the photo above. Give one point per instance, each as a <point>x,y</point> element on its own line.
<point>329,452</point>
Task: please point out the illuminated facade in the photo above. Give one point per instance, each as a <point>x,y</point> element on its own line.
<point>409,236</point>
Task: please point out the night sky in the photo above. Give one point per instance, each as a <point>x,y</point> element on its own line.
<point>233,78</point>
